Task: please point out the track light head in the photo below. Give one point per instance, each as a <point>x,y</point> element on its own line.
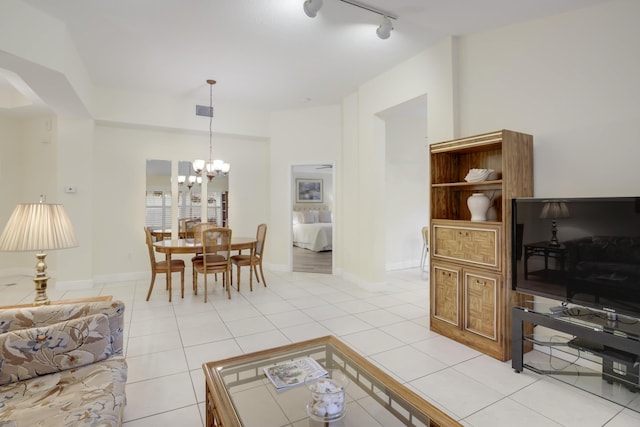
<point>311,7</point>
<point>384,30</point>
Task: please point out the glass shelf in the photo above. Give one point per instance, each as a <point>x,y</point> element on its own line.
<point>581,347</point>
<point>623,326</point>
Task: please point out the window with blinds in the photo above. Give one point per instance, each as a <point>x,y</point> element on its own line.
<point>158,209</point>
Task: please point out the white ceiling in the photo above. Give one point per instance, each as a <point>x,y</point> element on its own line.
<point>267,54</point>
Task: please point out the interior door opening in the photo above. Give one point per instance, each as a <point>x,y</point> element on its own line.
<point>312,218</point>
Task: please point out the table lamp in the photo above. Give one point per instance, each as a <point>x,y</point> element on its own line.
<point>38,227</point>
<point>554,210</point>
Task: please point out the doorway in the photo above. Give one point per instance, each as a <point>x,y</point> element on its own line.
<point>312,196</point>
<point>406,197</point>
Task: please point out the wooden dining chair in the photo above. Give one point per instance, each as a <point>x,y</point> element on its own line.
<point>425,247</point>
<point>181,230</point>
<point>216,257</point>
<point>176,265</point>
<point>253,260</point>
<point>197,240</point>
<point>189,225</point>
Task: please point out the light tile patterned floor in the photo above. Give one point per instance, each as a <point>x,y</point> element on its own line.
<point>167,343</point>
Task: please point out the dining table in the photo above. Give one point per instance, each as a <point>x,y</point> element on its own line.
<point>161,233</point>
<point>189,246</point>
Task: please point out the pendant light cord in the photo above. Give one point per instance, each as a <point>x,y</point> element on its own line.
<point>210,120</point>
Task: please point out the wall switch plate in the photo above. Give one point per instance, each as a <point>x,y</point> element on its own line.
<point>70,189</point>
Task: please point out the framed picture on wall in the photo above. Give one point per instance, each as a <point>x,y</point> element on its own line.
<point>308,190</point>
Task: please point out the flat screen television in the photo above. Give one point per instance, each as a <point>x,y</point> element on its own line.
<point>584,251</point>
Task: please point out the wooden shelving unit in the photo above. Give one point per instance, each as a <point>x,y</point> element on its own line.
<point>471,295</point>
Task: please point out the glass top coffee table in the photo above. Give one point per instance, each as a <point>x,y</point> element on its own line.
<point>240,394</point>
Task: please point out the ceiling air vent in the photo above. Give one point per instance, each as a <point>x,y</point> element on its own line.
<point>204,111</point>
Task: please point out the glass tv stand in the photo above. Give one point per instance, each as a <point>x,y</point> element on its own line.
<point>589,349</point>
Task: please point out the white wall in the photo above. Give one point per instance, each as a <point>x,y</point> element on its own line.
<point>159,110</point>
<point>39,49</point>
<point>12,157</point>
<point>429,74</point>
<point>28,169</point>
<point>308,136</point>
<point>120,170</point>
<point>572,81</point>
<point>406,202</point>
<point>74,166</point>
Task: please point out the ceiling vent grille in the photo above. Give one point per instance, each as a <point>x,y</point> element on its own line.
<point>204,111</point>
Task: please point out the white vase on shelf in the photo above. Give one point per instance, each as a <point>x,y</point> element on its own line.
<point>478,204</point>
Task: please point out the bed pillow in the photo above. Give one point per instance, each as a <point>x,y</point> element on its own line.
<point>324,216</point>
<point>28,353</point>
<point>309,217</point>
<point>298,218</point>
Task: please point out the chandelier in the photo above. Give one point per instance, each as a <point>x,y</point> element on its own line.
<point>182,179</point>
<point>213,167</point>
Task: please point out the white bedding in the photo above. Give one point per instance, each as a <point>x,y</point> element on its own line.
<point>315,237</point>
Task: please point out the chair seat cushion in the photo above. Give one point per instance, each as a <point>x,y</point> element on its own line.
<point>244,259</point>
<point>176,264</point>
<point>213,265</point>
<point>211,259</point>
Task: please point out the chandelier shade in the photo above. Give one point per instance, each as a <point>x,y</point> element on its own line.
<point>198,166</point>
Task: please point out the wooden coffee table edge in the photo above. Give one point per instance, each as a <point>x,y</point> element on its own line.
<point>225,410</point>
<point>103,298</point>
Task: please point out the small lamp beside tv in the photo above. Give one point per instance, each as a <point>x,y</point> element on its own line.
<point>38,227</point>
<point>554,210</point>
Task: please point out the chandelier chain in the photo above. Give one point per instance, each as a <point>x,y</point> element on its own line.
<point>210,121</point>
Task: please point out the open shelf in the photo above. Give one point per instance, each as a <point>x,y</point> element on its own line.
<point>484,185</point>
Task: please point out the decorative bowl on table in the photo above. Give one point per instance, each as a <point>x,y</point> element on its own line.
<point>479,175</point>
<point>328,402</point>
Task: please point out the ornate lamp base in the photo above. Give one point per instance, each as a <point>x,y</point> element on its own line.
<point>41,281</point>
<point>554,234</point>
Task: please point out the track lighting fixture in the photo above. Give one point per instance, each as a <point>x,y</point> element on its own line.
<point>311,7</point>
<point>384,30</point>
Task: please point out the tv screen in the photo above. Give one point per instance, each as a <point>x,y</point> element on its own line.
<point>584,251</point>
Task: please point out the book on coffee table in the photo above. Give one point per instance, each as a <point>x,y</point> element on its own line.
<point>292,373</point>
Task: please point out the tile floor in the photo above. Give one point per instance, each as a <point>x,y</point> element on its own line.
<point>388,323</point>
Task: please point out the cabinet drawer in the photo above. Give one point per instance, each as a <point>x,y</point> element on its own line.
<point>480,303</point>
<point>477,245</point>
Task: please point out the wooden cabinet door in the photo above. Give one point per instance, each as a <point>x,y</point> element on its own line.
<point>445,298</point>
<point>481,293</point>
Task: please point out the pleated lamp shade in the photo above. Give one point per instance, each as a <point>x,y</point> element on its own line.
<point>555,210</point>
<point>37,227</point>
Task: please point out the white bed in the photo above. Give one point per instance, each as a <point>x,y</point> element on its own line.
<point>312,230</point>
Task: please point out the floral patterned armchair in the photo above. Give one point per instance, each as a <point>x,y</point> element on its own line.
<point>62,365</point>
